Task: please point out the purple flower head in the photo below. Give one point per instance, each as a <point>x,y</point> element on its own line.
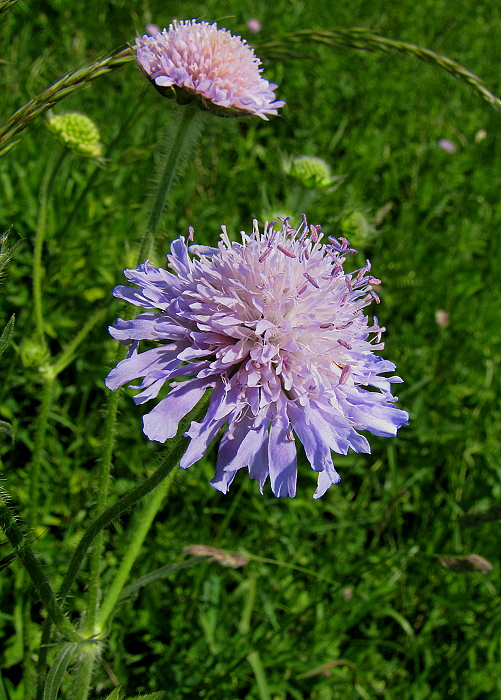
<point>197,60</point>
<point>275,327</point>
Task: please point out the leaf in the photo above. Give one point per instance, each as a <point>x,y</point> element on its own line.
<point>7,334</point>
<point>6,429</point>
<point>57,671</point>
<point>159,573</point>
<point>117,694</point>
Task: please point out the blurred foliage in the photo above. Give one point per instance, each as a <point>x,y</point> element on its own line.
<point>378,615</point>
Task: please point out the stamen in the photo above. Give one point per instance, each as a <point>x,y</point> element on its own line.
<point>348,283</point>
<point>344,343</point>
<point>345,374</point>
<point>314,233</point>
<point>191,233</point>
<point>326,325</point>
<point>310,280</point>
<point>290,435</point>
<point>286,251</point>
<point>375,297</point>
<point>302,289</point>
<point>264,255</point>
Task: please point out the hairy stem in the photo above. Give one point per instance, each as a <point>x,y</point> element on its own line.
<point>178,144</point>
<point>51,170</point>
<point>42,586</point>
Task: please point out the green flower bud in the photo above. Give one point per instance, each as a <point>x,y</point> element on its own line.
<point>33,353</point>
<point>77,132</point>
<point>357,228</point>
<point>312,172</point>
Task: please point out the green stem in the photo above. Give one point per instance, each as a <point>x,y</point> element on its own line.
<point>89,653</point>
<point>67,356</point>
<point>33,468</point>
<point>52,372</point>
<point>141,526</point>
<point>32,565</point>
<point>102,499</point>
<point>178,143</point>
<point>169,461</point>
<point>48,179</point>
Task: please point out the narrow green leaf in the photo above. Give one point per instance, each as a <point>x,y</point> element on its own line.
<point>160,573</point>
<point>257,667</point>
<point>57,671</point>
<point>7,334</point>
<point>6,429</point>
<point>117,693</point>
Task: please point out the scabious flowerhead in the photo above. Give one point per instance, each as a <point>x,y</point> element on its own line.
<point>77,132</point>
<point>199,61</point>
<point>274,326</point>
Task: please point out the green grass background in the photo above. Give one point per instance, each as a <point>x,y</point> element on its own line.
<point>374,596</point>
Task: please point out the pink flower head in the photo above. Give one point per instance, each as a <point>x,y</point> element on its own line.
<point>254,25</point>
<point>275,328</point>
<point>196,59</point>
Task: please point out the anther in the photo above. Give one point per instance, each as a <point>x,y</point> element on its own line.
<point>286,251</point>
<point>375,297</point>
<point>344,343</point>
<point>191,233</point>
<point>264,255</point>
<point>345,374</point>
<point>310,280</point>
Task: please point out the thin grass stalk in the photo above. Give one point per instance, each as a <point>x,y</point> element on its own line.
<point>61,88</point>
<point>140,527</point>
<point>292,46</point>
<point>4,6</point>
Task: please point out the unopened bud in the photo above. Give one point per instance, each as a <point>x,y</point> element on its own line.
<point>312,172</point>
<point>77,132</point>
<point>357,228</point>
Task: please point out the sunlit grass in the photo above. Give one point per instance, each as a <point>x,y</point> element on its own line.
<point>356,603</point>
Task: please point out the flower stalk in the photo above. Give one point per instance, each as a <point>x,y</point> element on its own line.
<point>180,138</point>
<point>51,171</point>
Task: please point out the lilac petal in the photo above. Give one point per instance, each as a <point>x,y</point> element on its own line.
<point>238,449</point>
<point>282,458</point>
<point>222,480</point>
<point>383,421</point>
<point>259,469</point>
<point>317,450</point>
<point>137,365</point>
<point>326,478</point>
<point>146,326</point>
<point>161,423</point>
<point>201,434</point>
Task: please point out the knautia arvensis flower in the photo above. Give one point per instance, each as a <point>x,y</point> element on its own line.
<point>77,132</point>
<point>274,327</point>
<point>197,60</point>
